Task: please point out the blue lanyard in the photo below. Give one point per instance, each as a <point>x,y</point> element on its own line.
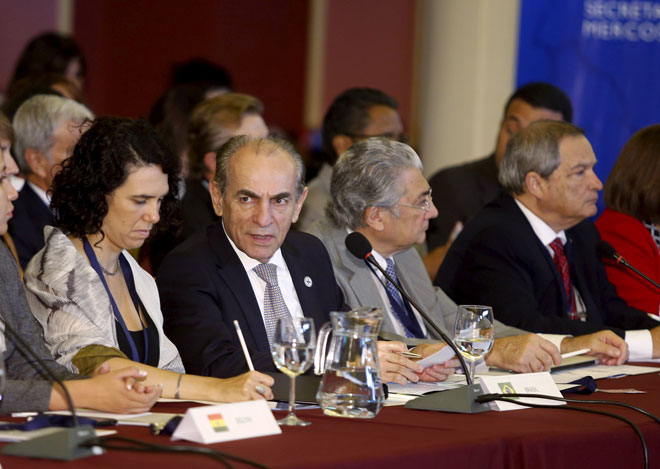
<point>130,283</point>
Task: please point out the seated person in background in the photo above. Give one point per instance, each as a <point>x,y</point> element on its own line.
<point>251,267</point>
<point>379,191</point>
<point>47,128</point>
<point>631,220</point>
<point>27,386</point>
<point>354,115</point>
<point>461,191</point>
<point>531,254</point>
<point>95,303</point>
<point>212,123</point>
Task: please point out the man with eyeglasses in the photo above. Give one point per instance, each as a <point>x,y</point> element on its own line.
<point>377,189</point>
<point>354,115</point>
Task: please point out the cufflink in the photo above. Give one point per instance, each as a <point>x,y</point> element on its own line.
<point>308,281</point>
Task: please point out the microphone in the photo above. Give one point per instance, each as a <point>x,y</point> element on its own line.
<point>607,251</point>
<point>455,400</point>
<point>64,444</point>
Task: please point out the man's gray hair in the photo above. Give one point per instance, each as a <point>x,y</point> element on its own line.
<point>263,146</point>
<point>534,148</point>
<point>37,119</point>
<point>367,175</point>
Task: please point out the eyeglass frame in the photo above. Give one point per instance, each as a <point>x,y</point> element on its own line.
<point>425,206</point>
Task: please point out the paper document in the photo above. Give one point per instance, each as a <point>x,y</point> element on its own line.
<point>439,357</point>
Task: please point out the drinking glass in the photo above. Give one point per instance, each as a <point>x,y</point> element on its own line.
<point>474,332</point>
<point>293,353</point>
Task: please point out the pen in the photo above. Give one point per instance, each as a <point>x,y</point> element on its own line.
<point>243,346</point>
<point>410,354</point>
<point>576,353</point>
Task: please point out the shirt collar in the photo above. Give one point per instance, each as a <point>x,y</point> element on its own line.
<point>43,195</point>
<point>542,230</point>
<point>250,263</point>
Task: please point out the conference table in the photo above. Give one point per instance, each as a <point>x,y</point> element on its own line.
<point>401,437</point>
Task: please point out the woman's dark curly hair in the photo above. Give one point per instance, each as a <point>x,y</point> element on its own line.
<point>102,160</point>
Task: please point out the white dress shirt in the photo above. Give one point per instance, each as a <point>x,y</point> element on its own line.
<point>259,286</point>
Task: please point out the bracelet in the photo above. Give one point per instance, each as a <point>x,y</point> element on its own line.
<point>177,394</point>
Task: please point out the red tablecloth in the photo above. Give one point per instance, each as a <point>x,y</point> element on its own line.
<point>400,437</point>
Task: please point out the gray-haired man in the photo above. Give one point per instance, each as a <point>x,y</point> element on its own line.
<point>378,190</point>
<point>47,128</point>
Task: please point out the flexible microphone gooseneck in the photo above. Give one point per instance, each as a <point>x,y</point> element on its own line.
<point>64,444</point>
<point>456,400</point>
<point>607,251</point>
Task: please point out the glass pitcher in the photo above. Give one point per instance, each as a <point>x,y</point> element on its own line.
<point>351,385</point>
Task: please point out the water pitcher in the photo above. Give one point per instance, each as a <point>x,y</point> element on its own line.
<point>351,385</point>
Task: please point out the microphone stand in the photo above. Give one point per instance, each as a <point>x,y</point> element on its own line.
<point>64,444</point>
<point>462,400</point>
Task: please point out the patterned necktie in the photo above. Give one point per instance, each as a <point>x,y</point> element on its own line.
<point>402,310</point>
<point>564,271</point>
<point>274,305</point>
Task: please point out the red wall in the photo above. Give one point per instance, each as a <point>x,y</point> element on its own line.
<point>370,43</point>
<point>130,46</point>
<point>20,21</point>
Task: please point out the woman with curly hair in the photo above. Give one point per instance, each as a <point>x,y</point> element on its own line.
<point>95,303</point>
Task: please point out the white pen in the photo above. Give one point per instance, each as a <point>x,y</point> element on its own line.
<point>243,346</point>
<point>575,354</point>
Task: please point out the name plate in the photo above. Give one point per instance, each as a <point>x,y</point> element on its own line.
<point>525,383</point>
<point>227,422</point>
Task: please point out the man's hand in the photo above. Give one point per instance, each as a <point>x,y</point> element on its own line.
<point>440,371</point>
<point>525,353</point>
<point>394,367</point>
<point>608,347</point>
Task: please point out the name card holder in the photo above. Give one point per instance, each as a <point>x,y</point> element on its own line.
<point>227,422</point>
<point>526,383</point>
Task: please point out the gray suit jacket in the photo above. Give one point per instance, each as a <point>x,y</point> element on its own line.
<point>358,285</point>
<point>26,388</point>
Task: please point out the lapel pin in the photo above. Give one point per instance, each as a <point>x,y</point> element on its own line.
<point>308,281</point>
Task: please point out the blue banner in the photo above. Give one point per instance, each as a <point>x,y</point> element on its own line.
<point>605,54</point>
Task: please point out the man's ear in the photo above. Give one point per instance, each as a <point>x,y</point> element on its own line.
<point>299,205</point>
<point>37,162</point>
<point>216,198</point>
<point>373,217</point>
<point>535,184</point>
<point>209,163</point>
<point>341,143</point>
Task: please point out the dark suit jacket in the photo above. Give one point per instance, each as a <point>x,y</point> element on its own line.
<point>204,287</point>
<point>26,227</point>
<point>196,208</point>
<point>498,260</point>
<point>196,211</point>
<point>459,193</point>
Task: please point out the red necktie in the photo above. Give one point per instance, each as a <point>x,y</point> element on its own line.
<point>562,265</point>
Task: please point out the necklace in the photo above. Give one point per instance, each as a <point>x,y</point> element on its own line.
<point>107,272</point>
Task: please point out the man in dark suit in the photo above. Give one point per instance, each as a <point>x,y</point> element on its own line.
<point>531,254</point>
<point>47,128</point>
<point>461,191</point>
<point>210,280</point>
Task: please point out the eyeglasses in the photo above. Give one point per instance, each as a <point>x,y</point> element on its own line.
<point>400,137</point>
<point>425,205</point>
